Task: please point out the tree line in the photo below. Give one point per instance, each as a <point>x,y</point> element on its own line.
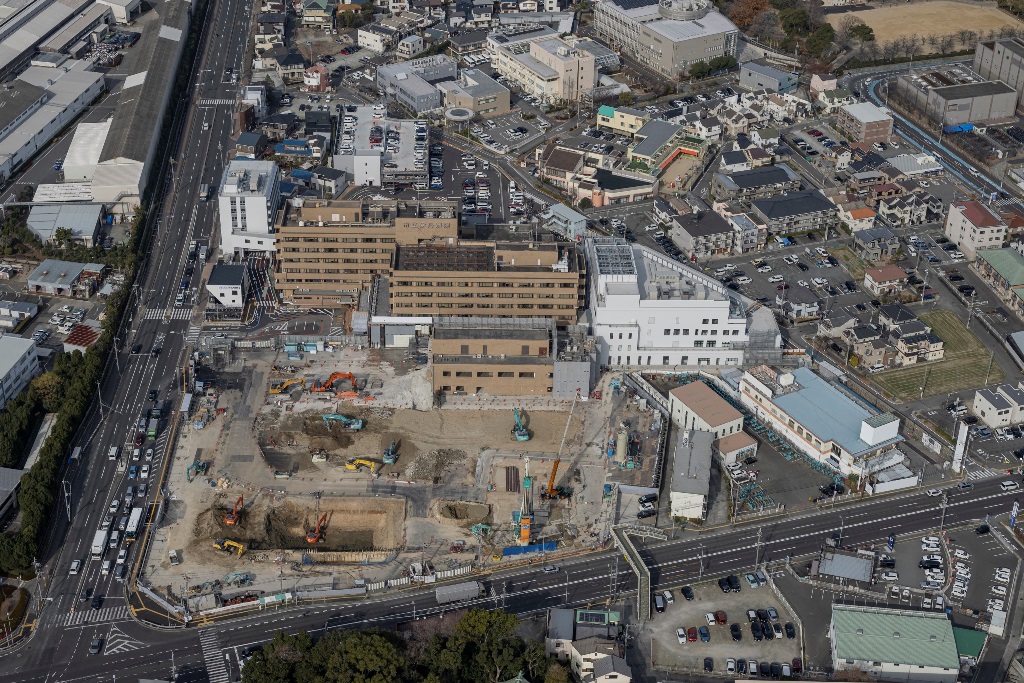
<point>478,647</point>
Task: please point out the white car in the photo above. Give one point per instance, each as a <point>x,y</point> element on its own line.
<point>931,540</point>
<point>802,283</point>
<point>77,564</point>
<point>1002,578</point>
<point>890,576</point>
<point>933,492</point>
<point>930,548</point>
<point>1009,486</point>
<point>681,635</point>
<point>764,269</point>
<point>651,227</point>
<point>998,590</point>
<point>995,604</point>
<point>743,280</point>
<point>964,574</point>
<point>775,278</point>
<point>122,555</point>
<point>145,472</point>
<point>961,554</point>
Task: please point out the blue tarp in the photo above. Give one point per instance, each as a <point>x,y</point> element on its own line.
<point>524,549</point>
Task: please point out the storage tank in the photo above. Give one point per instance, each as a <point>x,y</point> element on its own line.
<point>621,446</point>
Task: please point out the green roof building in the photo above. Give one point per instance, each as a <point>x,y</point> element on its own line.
<point>894,645</point>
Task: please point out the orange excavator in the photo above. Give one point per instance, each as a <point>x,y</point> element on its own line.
<point>318,388</point>
<point>232,517</point>
<point>316,534</point>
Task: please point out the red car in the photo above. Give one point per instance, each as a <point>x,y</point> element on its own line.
<point>797,665</point>
<point>815,132</point>
<point>139,438</point>
<point>720,617</point>
<point>691,634</point>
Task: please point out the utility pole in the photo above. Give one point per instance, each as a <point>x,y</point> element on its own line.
<point>757,547</point>
<point>942,519</point>
<point>67,497</point>
<point>700,569</point>
<point>99,399</point>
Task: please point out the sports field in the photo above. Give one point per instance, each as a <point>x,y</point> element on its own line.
<point>939,18</point>
<point>964,366</point>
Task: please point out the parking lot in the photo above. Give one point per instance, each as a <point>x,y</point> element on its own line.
<point>512,129</point>
<point>717,641</point>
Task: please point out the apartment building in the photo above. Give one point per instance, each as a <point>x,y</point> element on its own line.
<point>755,183</point>
<point>668,36</point>
<point>488,278</point>
<point>330,251</point>
<point>18,365</point>
<point>973,226</point>
<point>796,212</point>
<point>620,120</point>
<point>541,64</point>
<point>511,357</point>
<point>1002,60</point>
<point>817,418</point>
<point>864,122</point>
<point>249,196</point>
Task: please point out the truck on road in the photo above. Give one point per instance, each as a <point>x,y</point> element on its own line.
<point>458,592</point>
<point>152,428</point>
<point>99,543</point>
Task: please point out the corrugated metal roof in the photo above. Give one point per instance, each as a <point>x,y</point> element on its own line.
<point>894,637</point>
<point>85,149</point>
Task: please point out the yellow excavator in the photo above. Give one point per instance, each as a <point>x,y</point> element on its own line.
<point>227,545</point>
<point>355,463</point>
<point>283,387</point>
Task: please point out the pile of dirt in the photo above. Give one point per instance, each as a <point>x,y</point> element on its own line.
<point>433,464</point>
<point>462,511</point>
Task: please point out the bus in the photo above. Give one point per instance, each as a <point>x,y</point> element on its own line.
<point>204,192</point>
<point>134,522</point>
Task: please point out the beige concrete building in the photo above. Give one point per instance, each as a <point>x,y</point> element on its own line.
<point>511,357</point>
<point>328,251</point>
<point>621,120</point>
<point>698,406</point>
<point>476,91</point>
<point>544,65</point>
<point>864,122</point>
<point>493,279</point>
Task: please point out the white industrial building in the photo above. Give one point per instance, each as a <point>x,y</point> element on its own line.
<point>40,103</point>
<point>691,474</point>
<point>894,645</point>
<point>819,419</point>
<point>18,365</point>
<point>250,194</point>
<point>124,10</point>
<point>697,406</point>
<point>84,153</point>
<point>649,310</point>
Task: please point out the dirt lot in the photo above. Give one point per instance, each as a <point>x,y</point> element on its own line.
<point>270,523</point>
<point>940,18</point>
<point>432,446</point>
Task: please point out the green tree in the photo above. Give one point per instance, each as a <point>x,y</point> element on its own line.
<point>698,70</point>
<point>863,33</point>
<point>364,657</point>
<point>625,99</point>
<point>795,21</point>
<point>535,661</point>
<point>585,204</point>
<point>820,40</point>
<point>50,388</point>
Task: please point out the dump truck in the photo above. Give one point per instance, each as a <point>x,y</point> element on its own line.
<point>99,543</point>
<point>458,592</point>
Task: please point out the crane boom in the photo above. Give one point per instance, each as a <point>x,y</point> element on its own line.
<point>558,456</point>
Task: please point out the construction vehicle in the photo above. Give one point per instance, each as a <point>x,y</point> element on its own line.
<point>519,432</point>
<point>227,545</point>
<point>525,519</point>
<point>355,463</point>
<point>391,454</point>
<point>198,467</point>
<point>553,492</point>
<point>458,592</point>
<point>480,529</point>
<point>316,534</point>
<point>350,423</point>
<point>283,387</point>
<point>232,517</point>
<point>324,387</point>
<point>318,454</point>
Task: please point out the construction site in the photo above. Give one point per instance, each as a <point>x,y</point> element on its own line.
<point>339,472</point>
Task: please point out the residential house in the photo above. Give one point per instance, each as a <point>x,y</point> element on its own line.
<point>291,67</point>
<point>316,79</point>
<point>903,211</point>
<point>250,145</point>
<point>821,83</point>
<point>755,183</point>
<point>831,100</point>
<point>798,304</point>
<point>318,13</point>
<point>1000,406</point>
<point>585,653</point>
<point>792,212</point>
<point>857,219</point>
<point>885,281</point>
<point>894,315</point>
<point>300,151</point>
<point>280,126</point>
<point>621,120</point>
<point>1003,271</point>
<point>973,226</point>
<point>918,348</point>
<point>409,47</point>
<point>835,323</point>
<point>767,138</point>
<point>874,244</point>
<point>873,354</point>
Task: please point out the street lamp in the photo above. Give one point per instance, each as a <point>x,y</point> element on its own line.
<point>566,586</point>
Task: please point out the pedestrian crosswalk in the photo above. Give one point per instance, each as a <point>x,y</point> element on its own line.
<point>976,473</point>
<point>176,314</point>
<point>216,672</point>
<point>96,616</point>
<point>214,102</point>
<point>193,334</point>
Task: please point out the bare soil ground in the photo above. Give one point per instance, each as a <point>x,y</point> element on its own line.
<point>353,523</point>
<point>435,446</point>
<point>940,18</point>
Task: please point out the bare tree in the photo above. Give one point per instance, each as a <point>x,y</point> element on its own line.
<point>890,49</point>
<point>933,42</point>
<point>911,45</point>
<point>846,25</point>
<point>967,38</point>
<point>874,50</point>
<point>947,43</point>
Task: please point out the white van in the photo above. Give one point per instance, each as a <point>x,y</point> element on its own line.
<point>105,568</point>
<point>113,453</point>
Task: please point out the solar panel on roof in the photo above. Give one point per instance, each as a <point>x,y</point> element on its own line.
<point>633,4</point>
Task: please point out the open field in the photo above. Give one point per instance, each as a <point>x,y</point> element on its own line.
<point>964,366</point>
<point>940,18</point>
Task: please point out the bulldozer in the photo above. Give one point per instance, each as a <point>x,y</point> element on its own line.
<point>316,534</point>
<point>236,512</point>
<point>355,463</point>
<point>227,545</point>
<point>391,454</point>
<point>349,423</point>
<point>197,468</point>
<point>283,387</point>
<point>327,386</point>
